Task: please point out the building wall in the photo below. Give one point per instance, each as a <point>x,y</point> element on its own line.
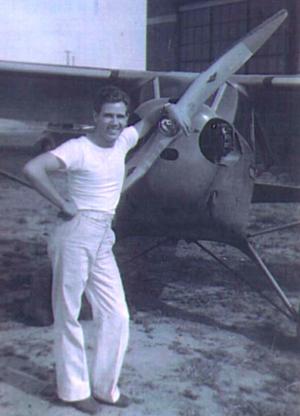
<point>162,35</point>
<point>190,35</point>
<point>103,33</point>
<point>295,29</point>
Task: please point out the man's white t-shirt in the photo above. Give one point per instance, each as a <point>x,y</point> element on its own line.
<point>96,174</point>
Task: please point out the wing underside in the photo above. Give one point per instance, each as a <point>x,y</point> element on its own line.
<point>275,193</point>
<point>61,93</point>
<point>58,93</point>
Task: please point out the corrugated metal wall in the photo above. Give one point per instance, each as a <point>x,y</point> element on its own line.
<point>188,36</point>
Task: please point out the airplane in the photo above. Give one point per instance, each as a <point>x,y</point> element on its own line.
<point>193,183</point>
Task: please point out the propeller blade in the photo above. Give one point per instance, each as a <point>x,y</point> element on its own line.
<point>197,93</point>
<point>143,159</point>
<point>210,80</point>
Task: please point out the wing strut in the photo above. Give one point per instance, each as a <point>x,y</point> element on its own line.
<point>156,87</point>
<point>255,256</point>
<point>273,229</point>
<point>291,314</point>
<point>146,251</point>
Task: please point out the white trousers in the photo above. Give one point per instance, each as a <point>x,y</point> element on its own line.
<point>83,261</point>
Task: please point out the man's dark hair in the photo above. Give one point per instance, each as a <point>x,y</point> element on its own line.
<point>110,94</point>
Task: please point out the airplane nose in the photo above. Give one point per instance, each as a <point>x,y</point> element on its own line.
<point>168,127</point>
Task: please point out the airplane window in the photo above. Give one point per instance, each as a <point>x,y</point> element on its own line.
<point>219,143</point>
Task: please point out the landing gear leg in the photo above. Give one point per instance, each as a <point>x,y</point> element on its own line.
<point>292,312</point>
<point>246,247</point>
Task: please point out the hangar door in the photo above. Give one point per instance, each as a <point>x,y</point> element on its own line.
<point>206,30</point>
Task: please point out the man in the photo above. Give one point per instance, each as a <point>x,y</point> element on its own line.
<point>81,251</point>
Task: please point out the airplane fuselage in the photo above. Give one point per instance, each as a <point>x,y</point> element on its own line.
<point>200,187</point>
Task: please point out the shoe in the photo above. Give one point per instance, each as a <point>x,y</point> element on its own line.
<point>89,406</point>
<point>122,402</point>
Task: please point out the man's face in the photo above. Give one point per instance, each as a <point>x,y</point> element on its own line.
<point>110,122</point>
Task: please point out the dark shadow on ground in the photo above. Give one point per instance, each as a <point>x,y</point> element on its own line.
<point>23,374</point>
<point>265,334</point>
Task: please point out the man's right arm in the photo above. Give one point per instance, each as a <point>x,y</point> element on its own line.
<point>36,171</point>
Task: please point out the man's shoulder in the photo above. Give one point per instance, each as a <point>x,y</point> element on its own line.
<point>130,135</point>
<point>129,130</point>
<point>81,141</point>
<point>70,146</point>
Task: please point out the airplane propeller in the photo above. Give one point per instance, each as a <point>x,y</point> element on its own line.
<point>180,115</point>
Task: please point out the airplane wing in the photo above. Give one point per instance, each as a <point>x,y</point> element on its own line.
<point>264,192</point>
<point>276,100</point>
<point>57,93</point>
<point>271,81</point>
<point>64,94</point>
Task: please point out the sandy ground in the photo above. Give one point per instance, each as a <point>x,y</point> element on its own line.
<point>202,343</point>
